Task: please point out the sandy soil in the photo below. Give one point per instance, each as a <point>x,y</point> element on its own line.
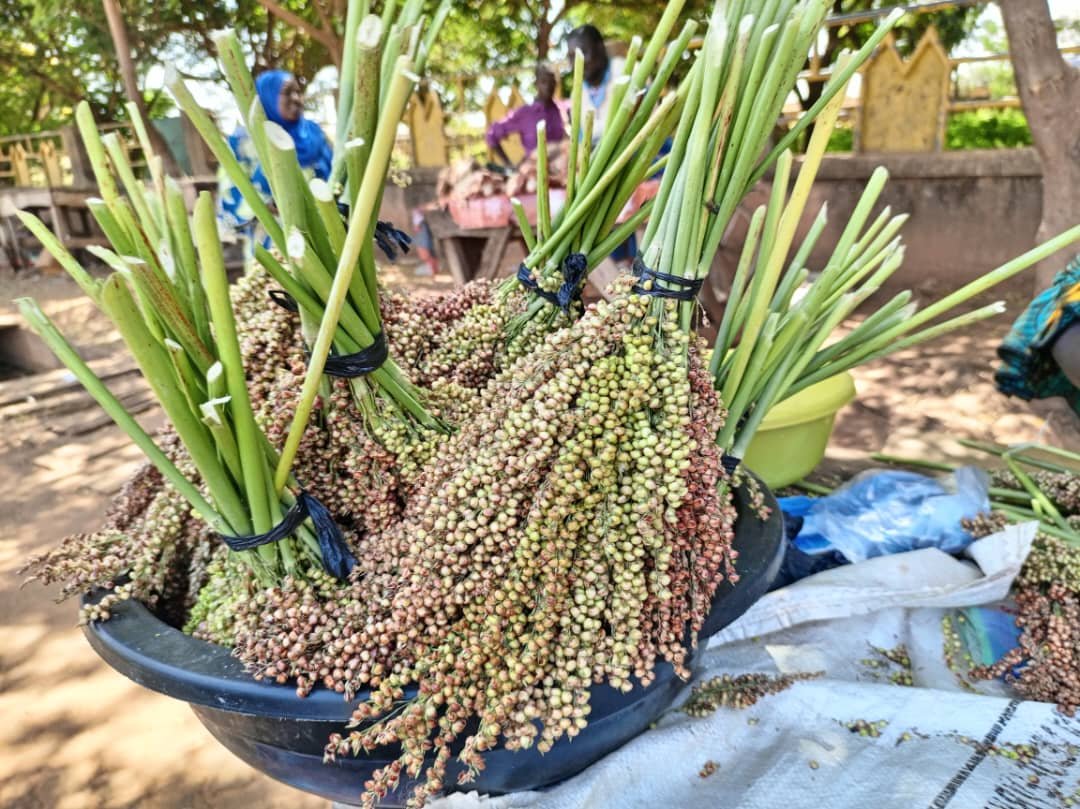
<point>76,735</point>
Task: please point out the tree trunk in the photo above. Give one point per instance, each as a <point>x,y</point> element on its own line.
<point>543,32</point>
<point>1050,92</point>
<point>118,31</point>
<point>543,40</point>
<point>326,37</point>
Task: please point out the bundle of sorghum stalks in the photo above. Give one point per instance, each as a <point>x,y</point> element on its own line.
<point>1045,666</point>
<point>1061,488</point>
<point>571,533</point>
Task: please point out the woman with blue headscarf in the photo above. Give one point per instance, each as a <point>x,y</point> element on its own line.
<point>283,101</point>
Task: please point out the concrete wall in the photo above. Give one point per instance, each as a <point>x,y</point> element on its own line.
<point>21,348</point>
<point>970,211</point>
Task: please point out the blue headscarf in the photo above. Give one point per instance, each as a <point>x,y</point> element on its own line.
<point>312,149</point>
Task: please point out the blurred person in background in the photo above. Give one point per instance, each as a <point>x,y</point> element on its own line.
<point>523,120</point>
<point>283,101</point>
<point>600,74</point>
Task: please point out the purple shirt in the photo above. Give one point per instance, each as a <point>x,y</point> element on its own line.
<point>523,121</point>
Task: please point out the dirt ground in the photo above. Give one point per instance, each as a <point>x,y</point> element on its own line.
<point>76,735</point>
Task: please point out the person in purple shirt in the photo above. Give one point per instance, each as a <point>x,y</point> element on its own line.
<point>523,120</point>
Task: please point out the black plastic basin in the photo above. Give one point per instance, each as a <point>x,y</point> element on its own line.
<point>282,735</point>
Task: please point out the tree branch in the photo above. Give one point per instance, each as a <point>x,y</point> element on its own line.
<point>569,4</point>
<point>325,38</point>
<point>268,45</point>
<point>322,12</point>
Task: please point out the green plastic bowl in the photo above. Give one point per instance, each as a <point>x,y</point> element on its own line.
<point>792,438</point>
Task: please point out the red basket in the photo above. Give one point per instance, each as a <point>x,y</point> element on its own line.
<point>556,199</point>
<point>481,212</point>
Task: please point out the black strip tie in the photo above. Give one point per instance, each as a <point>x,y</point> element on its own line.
<point>685,289</point>
<point>390,240</point>
<point>387,237</point>
<point>345,366</point>
<point>730,463</point>
<point>360,363</point>
<point>284,300</point>
<point>574,269</point>
<point>525,277</point>
<point>337,559</point>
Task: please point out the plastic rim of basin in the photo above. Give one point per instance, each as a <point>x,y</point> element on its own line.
<point>792,438</point>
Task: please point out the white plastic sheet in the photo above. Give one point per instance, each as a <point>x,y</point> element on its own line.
<point>940,745</point>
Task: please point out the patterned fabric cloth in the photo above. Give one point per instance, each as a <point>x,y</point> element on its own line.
<point>312,151</point>
<point>1028,368</point>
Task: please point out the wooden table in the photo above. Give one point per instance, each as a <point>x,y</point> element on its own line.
<point>64,209</point>
<point>480,252</point>
<point>470,253</point>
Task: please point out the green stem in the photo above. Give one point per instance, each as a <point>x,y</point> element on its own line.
<point>882,345</point>
<point>543,201</point>
<point>1026,515</point>
<point>365,111</point>
<point>328,212</point>
<point>1038,463</point>
<point>214,418</point>
<point>361,216</point>
<point>918,463</point>
<point>143,136</point>
<point>725,335</point>
<point>172,315</point>
<point>90,286</point>
<point>184,252</point>
<point>118,156</point>
<point>216,284</point>
<point>110,226</point>
<point>575,127</point>
<point>95,151</point>
<point>843,73</point>
<point>596,191</point>
<point>813,488</point>
<point>1037,495</point>
<point>357,10</point>
<point>156,367</point>
<point>44,328</point>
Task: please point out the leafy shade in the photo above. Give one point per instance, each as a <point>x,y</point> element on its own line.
<point>987,129</point>
<point>952,24</point>
<point>52,58</point>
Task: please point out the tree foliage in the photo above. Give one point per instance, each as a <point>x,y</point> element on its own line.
<point>52,56</point>
<point>47,63</point>
<point>987,129</point>
<point>953,26</point>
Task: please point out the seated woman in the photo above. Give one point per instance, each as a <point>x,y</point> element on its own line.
<point>523,120</point>
<point>283,101</point>
<point>1041,354</point>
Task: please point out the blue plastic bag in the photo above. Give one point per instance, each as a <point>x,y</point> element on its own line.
<point>884,512</point>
